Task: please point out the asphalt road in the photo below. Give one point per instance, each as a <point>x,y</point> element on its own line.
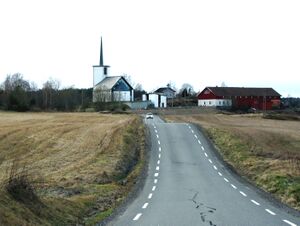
<point>188,185</point>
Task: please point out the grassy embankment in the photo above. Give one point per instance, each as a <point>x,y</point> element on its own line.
<point>80,166</point>
<point>267,152</point>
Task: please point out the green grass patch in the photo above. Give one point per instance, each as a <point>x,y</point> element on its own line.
<point>236,150</point>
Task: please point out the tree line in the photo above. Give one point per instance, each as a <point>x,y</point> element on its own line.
<point>18,94</point>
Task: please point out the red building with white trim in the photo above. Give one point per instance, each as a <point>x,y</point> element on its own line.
<point>239,98</point>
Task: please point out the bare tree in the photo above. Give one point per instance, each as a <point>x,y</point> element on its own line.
<point>49,88</point>
<point>186,90</point>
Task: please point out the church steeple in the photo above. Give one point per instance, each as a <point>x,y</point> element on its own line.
<point>100,71</point>
<point>101,54</point>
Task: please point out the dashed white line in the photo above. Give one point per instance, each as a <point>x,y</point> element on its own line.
<point>158,162</point>
<point>270,212</point>
<point>205,154</point>
<point>137,216</point>
<point>145,205</point>
<point>210,160</point>
<point>232,185</point>
<point>195,136</point>
<point>202,148</point>
<point>159,155</point>
<point>153,188</point>
<point>215,168</point>
<point>290,223</point>
<point>155,181</point>
<point>156,174</point>
<point>256,203</point>
<point>243,194</point>
<point>156,131</point>
<point>226,179</point>
<point>157,167</point>
<point>220,173</point>
<point>192,131</point>
<point>150,196</point>
<point>199,141</point>
<point>159,149</point>
<point>158,142</point>
<point>157,136</point>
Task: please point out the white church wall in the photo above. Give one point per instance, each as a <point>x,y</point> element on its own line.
<point>98,73</point>
<point>122,96</point>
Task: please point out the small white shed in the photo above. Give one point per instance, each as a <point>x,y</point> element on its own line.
<point>159,101</point>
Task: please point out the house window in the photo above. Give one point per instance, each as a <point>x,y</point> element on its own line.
<point>105,71</point>
<point>209,102</point>
<point>204,103</point>
<point>223,102</point>
<point>219,102</point>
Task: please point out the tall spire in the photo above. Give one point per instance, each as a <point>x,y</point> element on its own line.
<point>101,54</point>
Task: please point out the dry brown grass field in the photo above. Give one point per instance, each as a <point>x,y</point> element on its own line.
<point>265,151</point>
<point>74,160</point>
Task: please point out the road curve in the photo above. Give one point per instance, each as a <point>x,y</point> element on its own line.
<point>188,185</point>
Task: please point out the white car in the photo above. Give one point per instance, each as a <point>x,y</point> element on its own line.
<point>149,115</point>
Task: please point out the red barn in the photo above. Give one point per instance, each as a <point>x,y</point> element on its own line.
<point>240,98</point>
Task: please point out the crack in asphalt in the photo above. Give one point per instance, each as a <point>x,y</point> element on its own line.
<point>204,210</point>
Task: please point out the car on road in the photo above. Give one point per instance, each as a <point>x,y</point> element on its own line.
<point>149,115</point>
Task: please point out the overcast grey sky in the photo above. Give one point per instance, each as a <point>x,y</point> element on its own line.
<point>204,43</point>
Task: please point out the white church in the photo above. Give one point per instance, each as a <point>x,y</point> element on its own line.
<point>108,88</point>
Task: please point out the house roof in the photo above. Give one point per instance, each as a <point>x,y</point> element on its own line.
<point>241,91</point>
<point>109,82</point>
<point>163,89</point>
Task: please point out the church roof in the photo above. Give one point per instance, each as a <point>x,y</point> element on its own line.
<point>109,82</point>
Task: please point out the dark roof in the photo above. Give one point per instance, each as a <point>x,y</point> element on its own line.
<point>109,82</point>
<point>241,91</point>
<point>163,89</point>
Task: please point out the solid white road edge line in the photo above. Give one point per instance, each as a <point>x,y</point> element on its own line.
<point>270,212</point>
<point>256,203</point>
<point>137,216</point>
<point>145,205</point>
<point>290,223</point>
